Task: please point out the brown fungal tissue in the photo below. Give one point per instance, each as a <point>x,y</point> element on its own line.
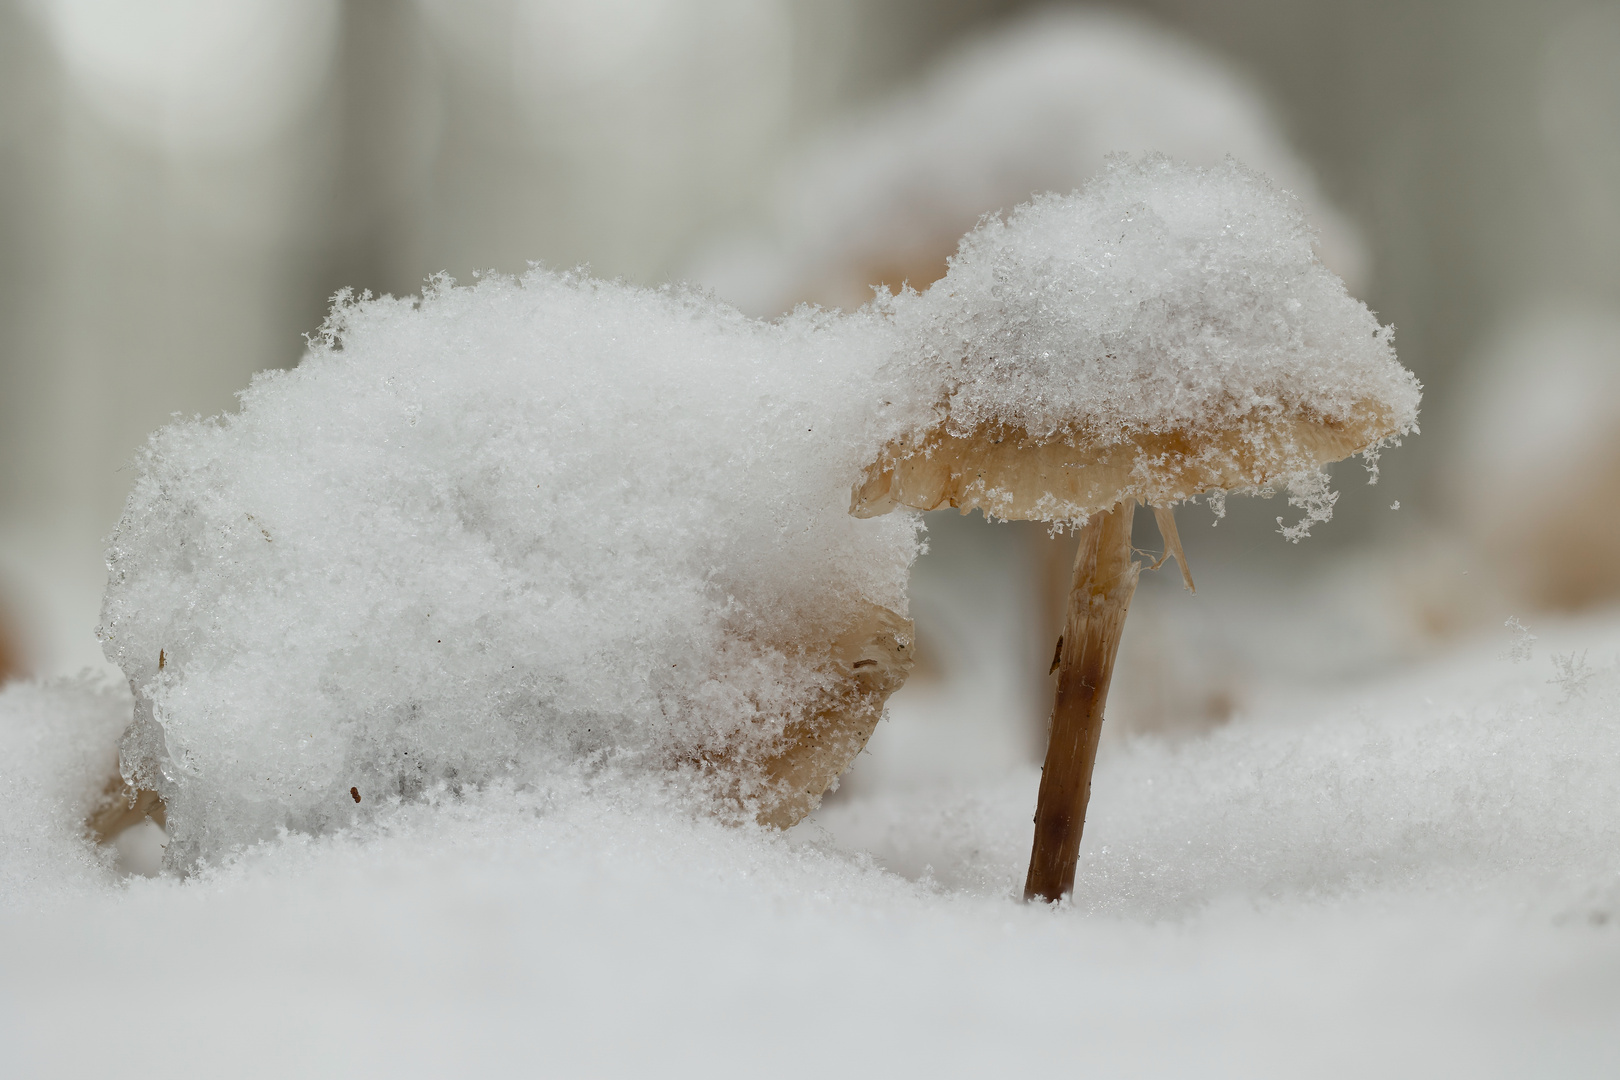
<point>121,807</point>
<point>1164,333</point>
<point>868,661</point>
<point>861,663</point>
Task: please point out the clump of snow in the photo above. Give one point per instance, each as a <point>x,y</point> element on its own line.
<point>1035,106</point>
<point>1311,492</point>
<point>58,746</point>
<point>502,533</point>
<point>1161,297</point>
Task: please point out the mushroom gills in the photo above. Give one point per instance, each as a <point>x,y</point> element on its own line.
<point>1066,477</point>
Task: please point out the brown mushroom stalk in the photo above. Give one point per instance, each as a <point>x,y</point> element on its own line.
<point>1104,581</point>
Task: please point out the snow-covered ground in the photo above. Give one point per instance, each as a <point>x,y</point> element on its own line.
<point>1416,876</point>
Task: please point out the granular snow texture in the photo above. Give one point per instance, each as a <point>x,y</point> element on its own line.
<point>1420,878</point>
<point>58,747</point>
<point>1161,297</point>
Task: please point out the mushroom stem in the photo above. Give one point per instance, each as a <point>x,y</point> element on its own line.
<point>1104,582</point>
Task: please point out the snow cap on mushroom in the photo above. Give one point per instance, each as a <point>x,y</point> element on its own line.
<point>1164,331</point>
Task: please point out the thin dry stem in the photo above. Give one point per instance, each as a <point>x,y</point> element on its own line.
<point>1165,517</point>
<point>1104,581</point>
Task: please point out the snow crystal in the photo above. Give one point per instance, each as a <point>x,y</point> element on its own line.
<point>501,532</point>
<point>1571,673</point>
<point>58,746</point>
<point>1161,297</point>
<point>1524,642</point>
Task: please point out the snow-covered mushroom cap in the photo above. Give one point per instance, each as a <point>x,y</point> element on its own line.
<point>1165,331</point>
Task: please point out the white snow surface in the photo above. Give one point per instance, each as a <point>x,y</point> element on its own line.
<point>59,745</point>
<point>1161,296</point>
<point>1418,877</point>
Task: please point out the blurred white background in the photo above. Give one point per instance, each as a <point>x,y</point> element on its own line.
<point>184,184</point>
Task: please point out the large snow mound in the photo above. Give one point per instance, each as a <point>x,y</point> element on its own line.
<point>502,532</point>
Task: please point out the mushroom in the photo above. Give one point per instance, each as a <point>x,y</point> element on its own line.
<point>1163,333</point>
<point>866,661</point>
<point>862,661</point>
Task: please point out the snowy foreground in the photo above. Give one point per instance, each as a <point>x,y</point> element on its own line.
<point>1420,877</point>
